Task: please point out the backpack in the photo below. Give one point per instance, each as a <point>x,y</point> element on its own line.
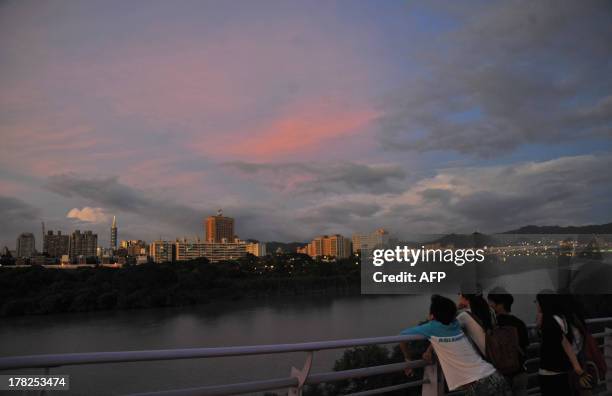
<point>502,348</point>
<point>592,353</point>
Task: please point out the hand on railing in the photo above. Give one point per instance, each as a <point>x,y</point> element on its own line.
<point>409,371</point>
<point>593,369</point>
<point>585,380</point>
<point>428,354</point>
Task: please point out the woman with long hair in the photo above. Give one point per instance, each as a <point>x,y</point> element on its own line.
<point>557,355</point>
<point>476,318</point>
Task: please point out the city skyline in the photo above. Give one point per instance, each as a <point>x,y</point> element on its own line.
<point>356,238</point>
<point>217,229</point>
<point>303,121</point>
<point>220,243</point>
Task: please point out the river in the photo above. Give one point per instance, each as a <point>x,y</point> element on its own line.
<point>213,325</point>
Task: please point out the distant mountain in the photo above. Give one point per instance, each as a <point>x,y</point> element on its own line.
<point>290,247</point>
<point>475,239</point>
<point>587,229</point>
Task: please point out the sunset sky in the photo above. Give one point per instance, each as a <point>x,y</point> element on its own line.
<point>301,118</point>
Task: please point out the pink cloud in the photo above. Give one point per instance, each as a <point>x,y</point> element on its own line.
<point>304,131</point>
<point>197,88</point>
<point>248,92</point>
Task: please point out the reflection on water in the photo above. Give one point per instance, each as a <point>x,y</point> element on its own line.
<point>223,324</point>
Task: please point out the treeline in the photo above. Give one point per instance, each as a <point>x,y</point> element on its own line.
<point>39,290</point>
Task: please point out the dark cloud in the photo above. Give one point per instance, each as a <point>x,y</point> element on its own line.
<point>337,217</point>
<point>567,190</point>
<point>437,194</point>
<point>16,217</point>
<point>491,209</point>
<point>110,194</point>
<point>562,191</point>
<point>514,73</point>
<point>347,177</point>
<point>274,222</point>
<point>343,212</point>
<point>12,209</point>
<point>252,221</point>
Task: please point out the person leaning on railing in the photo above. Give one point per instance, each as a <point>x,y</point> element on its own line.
<point>462,366</point>
<point>501,301</point>
<point>476,318</point>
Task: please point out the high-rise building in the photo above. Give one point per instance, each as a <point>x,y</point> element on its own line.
<point>338,246</point>
<point>216,252</point>
<point>113,235</point>
<point>161,251</point>
<point>26,245</point>
<point>83,244</point>
<point>328,245</point>
<point>366,242</point>
<point>213,251</point>
<point>56,245</point>
<point>257,249</point>
<point>134,247</point>
<point>316,246</point>
<point>219,228</point>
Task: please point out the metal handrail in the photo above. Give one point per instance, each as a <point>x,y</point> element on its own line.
<point>278,383</point>
<point>229,389</point>
<point>391,388</point>
<point>56,360</point>
<point>68,359</point>
<point>332,376</point>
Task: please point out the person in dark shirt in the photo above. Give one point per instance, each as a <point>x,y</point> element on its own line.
<point>501,301</point>
<point>557,357</point>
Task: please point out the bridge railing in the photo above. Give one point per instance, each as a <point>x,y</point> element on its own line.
<point>432,382</point>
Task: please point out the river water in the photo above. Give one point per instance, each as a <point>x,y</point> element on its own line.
<point>213,325</point>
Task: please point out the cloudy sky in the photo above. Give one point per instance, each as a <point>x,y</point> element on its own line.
<point>304,117</point>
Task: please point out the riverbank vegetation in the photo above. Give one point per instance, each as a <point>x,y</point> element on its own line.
<point>369,356</point>
<point>39,290</point>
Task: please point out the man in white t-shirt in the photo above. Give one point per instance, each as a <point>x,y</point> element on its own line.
<point>462,366</point>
